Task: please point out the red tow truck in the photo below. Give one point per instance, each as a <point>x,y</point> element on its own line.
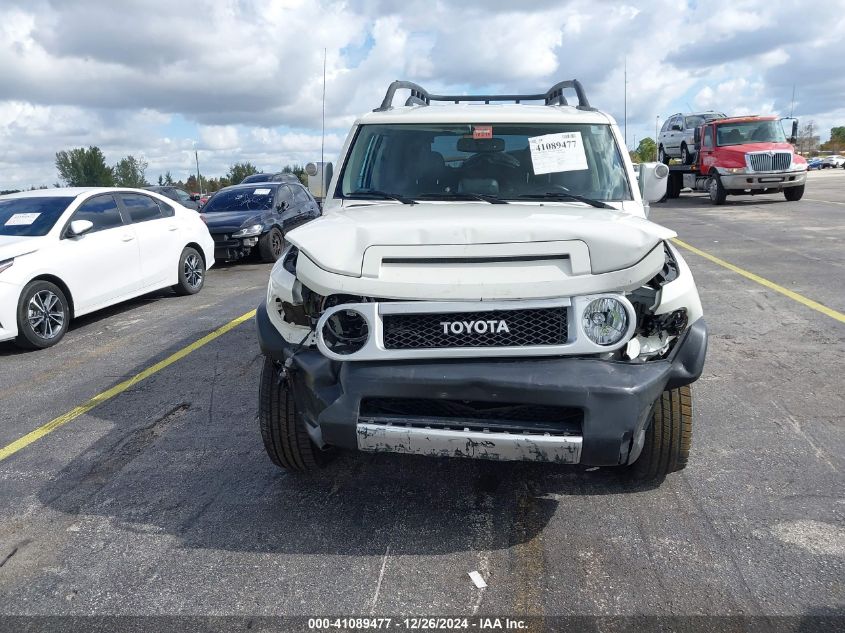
<point>742,156</point>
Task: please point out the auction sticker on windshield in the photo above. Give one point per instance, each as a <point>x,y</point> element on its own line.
<point>261,192</point>
<point>22,219</point>
<point>552,153</point>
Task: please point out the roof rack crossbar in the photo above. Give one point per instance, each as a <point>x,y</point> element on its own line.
<point>421,96</point>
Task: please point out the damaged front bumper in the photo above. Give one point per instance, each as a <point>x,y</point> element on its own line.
<point>565,410</point>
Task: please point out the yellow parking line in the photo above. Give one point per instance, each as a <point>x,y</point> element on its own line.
<point>100,398</point>
<point>825,201</point>
<point>814,305</point>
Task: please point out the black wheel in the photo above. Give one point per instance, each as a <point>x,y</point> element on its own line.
<point>668,439</point>
<point>793,194</point>
<point>271,245</point>
<point>191,272</point>
<point>43,315</point>
<point>717,192</point>
<point>282,429</point>
<point>661,156</point>
<point>686,157</point>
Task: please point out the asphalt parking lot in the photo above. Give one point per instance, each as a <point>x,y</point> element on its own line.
<point>161,500</point>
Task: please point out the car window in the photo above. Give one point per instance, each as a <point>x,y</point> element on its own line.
<point>258,197</point>
<point>285,194</point>
<point>140,208</point>
<point>300,195</point>
<point>708,136</point>
<point>166,210</point>
<point>101,211</point>
<point>31,216</point>
<point>181,196</point>
<point>453,159</point>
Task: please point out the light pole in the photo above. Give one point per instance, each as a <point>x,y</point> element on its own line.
<point>199,182</point>
<point>656,128</point>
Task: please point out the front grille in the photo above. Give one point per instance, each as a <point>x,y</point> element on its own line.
<point>765,161</point>
<point>470,414</point>
<point>536,326</point>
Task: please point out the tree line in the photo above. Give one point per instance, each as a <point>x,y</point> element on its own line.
<point>87,167</point>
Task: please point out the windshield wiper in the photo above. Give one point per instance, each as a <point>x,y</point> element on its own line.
<point>449,195</point>
<point>559,195</point>
<point>383,195</point>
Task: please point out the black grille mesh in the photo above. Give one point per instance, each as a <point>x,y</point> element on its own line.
<point>538,326</point>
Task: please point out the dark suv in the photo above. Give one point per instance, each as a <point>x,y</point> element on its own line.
<point>174,193</point>
<point>244,217</point>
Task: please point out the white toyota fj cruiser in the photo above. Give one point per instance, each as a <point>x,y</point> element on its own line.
<point>484,283</point>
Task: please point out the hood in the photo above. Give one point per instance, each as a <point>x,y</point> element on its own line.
<point>736,153</point>
<point>16,245</point>
<point>229,221</point>
<point>338,240</point>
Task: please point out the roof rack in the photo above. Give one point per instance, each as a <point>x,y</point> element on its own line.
<point>421,96</point>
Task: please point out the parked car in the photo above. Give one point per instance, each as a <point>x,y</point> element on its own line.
<point>187,200</point>
<point>484,283</point>
<point>277,177</point>
<point>814,163</point>
<point>256,216</point>
<point>676,136</point>
<point>834,161</point>
<point>68,252</point>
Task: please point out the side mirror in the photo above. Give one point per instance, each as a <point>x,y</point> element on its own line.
<point>696,136</point>
<point>195,197</point>
<point>282,206</point>
<point>794,138</point>
<point>79,227</point>
<point>677,128</point>
<point>653,180</point>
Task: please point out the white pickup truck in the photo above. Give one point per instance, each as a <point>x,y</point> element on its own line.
<point>484,283</point>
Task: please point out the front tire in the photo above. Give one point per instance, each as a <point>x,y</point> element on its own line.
<point>686,157</point>
<point>43,315</point>
<point>285,439</point>
<point>661,156</point>
<point>668,439</point>
<point>717,192</point>
<point>191,273</point>
<point>271,245</point>
<point>794,194</point>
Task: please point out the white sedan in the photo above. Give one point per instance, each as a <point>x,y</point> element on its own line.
<point>68,252</point>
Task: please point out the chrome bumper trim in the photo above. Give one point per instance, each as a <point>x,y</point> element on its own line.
<point>384,438</point>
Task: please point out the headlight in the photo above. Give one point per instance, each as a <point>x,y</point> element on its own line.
<point>345,332</point>
<point>249,231</point>
<point>6,263</point>
<point>605,321</point>
<point>734,170</point>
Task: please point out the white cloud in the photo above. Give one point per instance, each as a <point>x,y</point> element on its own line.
<point>245,82</point>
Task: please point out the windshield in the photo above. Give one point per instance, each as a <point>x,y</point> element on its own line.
<point>241,199</point>
<point>506,160</point>
<point>749,132</point>
<point>31,216</point>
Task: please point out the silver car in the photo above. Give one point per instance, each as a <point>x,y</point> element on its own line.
<point>676,135</point>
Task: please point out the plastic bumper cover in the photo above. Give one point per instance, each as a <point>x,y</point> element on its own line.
<point>615,397</point>
<point>9,295</point>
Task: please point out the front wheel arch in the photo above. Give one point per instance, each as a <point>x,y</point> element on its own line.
<point>62,286</point>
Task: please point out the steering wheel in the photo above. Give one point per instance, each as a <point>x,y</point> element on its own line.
<point>498,158</point>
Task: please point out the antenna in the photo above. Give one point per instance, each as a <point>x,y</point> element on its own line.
<point>323,184</point>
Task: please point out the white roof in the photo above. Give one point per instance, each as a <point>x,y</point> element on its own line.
<point>484,113</point>
<point>68,192</point>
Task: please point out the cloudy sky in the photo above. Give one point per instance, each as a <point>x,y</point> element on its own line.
<point>242,79</point>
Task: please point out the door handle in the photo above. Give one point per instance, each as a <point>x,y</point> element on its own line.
<point>172,228</point>
<point>127,238</point>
